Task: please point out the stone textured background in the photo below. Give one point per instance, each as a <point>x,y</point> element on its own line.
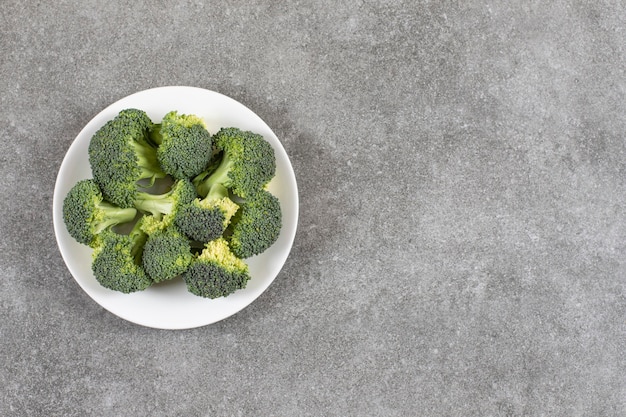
<point>462,239</point>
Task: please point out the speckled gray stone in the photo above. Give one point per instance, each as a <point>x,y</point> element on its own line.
<point>462,236</point>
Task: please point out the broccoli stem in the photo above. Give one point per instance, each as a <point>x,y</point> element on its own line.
<point>139,238</point>
<point>155,204</point>
<point>113,215</point>
<point>147,161</point>
<point>216,192</point>
<point>155,134</point>
<point>219,176</point>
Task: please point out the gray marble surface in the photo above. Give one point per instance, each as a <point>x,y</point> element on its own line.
<point>461,241</point>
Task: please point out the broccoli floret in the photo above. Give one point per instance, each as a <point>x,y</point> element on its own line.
<point>121,154</point>
<point>166,205</point>
<point>216,271</point>
<point>116,261</point>
<point>206,219</point>
<point>247,163</point>
<point>166,253</point>
<point>86,213</point>
<point>185,145</point>
<point>256,226</point>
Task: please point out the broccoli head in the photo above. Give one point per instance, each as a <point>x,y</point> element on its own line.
<point>86,213</point>
<point>166,253</point>
<point>256,226</point>
<point>247,163</point>
<point>185,144</point>
<point>121,154</point>
<point>116,261</point>
<point>206,219</point>
<point>216,271</point>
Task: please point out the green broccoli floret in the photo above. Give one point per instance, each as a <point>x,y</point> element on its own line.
<point>121,154</point>
<point>206,219</point>
<point>166,205</point>
<point>86,213</point>
<point>256,226</point>
<point>247,163</point>
<point>216,271</point>
<point>116,260</point>
<point>166,253</point>
<point>185,144</point>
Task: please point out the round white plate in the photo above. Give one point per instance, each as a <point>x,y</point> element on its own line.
<point>170,305</point>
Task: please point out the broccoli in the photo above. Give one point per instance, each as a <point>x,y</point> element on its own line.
<point>166,205</point>
<point>206,219</point>
<point>247,163</point>
<point>86,213</point>
<point>116,263</point>
<point>215,212</point>
<point>216,271</point>
<point>185,144</point>
<point>256,226</point>
<point>166,253</point>
<point>121,154</point>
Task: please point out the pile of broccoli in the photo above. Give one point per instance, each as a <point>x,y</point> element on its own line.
<point>171,200</point>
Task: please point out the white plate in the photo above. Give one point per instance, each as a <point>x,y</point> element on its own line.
<point>171,306</point>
